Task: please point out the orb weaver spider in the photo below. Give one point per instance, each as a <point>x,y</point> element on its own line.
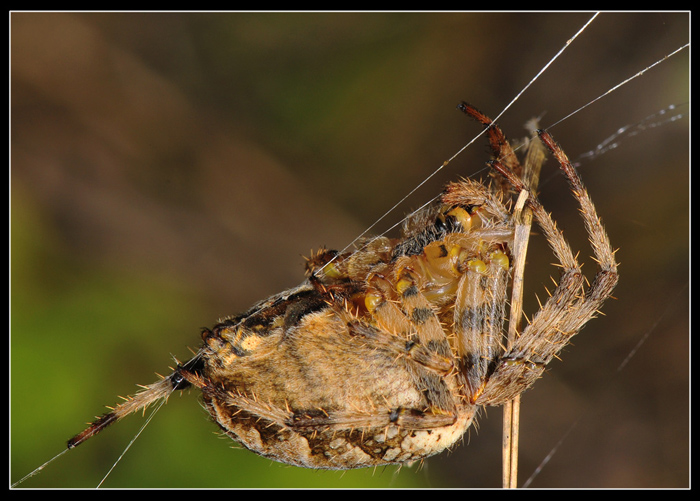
<point>385,354</point>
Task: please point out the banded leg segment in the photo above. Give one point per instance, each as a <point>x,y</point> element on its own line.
<point>479,315</point>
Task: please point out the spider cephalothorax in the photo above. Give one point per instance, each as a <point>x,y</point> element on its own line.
<point>385,354</point>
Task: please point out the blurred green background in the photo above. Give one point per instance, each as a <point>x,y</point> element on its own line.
<point>171,169</point>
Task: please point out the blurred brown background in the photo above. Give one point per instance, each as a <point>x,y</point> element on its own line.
<point>171,169</point>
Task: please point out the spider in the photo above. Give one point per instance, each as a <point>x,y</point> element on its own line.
<point>385,354</point>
